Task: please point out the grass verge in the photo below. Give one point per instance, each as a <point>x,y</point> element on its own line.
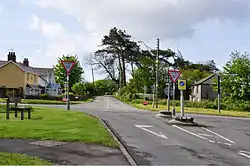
<point>196,110</point>
<point>56,124</point>
<point>18,159</point>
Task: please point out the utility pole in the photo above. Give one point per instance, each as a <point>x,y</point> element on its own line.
<point>219,98</point>
<point>93,80</point>
<point>157,73</point>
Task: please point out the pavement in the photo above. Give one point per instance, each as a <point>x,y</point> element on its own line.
<point>150,141</point>
<point>65,153</point>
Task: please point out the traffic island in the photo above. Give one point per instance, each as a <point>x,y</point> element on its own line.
<point>164,114</point>
<point>179,120</point>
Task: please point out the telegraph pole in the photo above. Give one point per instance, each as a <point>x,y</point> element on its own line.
<point>157,73</point>
<point>93,80</point>
<point>219,91</point>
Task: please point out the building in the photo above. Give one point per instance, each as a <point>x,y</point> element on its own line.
<point>203,90</point>
<point>20,78</point>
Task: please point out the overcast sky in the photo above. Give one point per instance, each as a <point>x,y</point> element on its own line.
<point>42,30</point>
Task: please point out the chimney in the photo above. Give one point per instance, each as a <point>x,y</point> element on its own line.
<point>12,56</point>
<point>26,61</point>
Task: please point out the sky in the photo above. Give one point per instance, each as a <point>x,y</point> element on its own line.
<point>43,30</point>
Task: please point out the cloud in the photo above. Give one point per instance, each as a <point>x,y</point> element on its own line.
<point>59,40</point>
<point>148,19</point>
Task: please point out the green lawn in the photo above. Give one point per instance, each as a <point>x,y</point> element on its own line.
<point>196,110</point>
<point>18,159</point>
<point>56,124</point>
<point>52,102</point>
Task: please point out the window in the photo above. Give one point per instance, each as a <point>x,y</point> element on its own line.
<point>28,77</point>
<point>34,78</point>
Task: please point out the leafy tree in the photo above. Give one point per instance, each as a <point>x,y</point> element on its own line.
<point>105,87</point>
<point>75,74</point>
<point>118,50</point>
<point>236,76</point>
<point>83,88</point>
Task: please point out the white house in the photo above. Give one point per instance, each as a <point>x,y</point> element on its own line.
<point>46,81</point>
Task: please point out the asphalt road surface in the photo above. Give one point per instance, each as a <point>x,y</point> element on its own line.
<point>150,141</point>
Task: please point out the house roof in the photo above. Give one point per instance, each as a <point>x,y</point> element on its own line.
<point>204,79</point>
<point>34,70</point>
<point>42,71</point>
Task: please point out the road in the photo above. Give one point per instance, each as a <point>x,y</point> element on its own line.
<point>150,141</point>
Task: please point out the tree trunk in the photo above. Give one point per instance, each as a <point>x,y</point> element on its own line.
<point>123,72</point>
<point>120,71</point>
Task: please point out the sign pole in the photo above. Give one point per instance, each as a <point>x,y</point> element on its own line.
<point>182,104</point>
<point>153,104</point>
<point>173,100</point>
<point>68,99</point>
<point>168,102</point>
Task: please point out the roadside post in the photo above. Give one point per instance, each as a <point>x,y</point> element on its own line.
<point>174,75</point>
<point>182,86</point>
<point>168,92</point>
<point>145,89</point>
<point>153,90</point>
<point>68,66</point>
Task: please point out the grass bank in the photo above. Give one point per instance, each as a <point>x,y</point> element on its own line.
<point>190,110</point>
<point>56,124</point>
<point>49,102</point>
<point>18,159</point>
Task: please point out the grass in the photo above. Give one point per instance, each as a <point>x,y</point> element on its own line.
<point>51,102</point>
<point>18,159</point>
<point>56,124</point>
<point>196,110</point>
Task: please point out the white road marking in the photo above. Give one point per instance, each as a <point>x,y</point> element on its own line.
<point>218,135</point>
<point>190,132</point>
<point>206,135</point>
<point>108,105</point>
<point>243,154</point>
<point>211,141</point>
<point>143,127</point>
<point>228,144</point>
<point>242,151</point>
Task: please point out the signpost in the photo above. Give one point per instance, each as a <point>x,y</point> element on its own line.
<point>182,86</point>
<point>174,75</point>
<point>168,91</point>
<point>68,66</point>
<point>153,89</point>
<point>145,89</point>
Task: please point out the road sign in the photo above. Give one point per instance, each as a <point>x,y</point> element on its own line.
<point>166,91</point>
<point>174,75</point>
<point>68,65</point>
<point>182,85</point>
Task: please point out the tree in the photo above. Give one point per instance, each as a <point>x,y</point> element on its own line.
<point>75,74</point>
<point>83,88</point>
<point>105,87</point>
<point>236,76</point>
<point>118,50</point>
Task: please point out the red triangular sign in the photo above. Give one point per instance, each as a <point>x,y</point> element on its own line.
<point>68,65</point>
<point>174,75</point>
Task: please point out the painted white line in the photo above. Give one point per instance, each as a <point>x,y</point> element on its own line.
<point>211,141</point>
<point>243,154</point>
<point>218,135</point>
<point>228,144</point>
<point>190,132</point>
<point>242,151</point>
<point>143,127</point>
<point>206,135</point>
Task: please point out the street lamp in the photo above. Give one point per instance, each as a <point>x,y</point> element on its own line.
<point>157,68</point>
